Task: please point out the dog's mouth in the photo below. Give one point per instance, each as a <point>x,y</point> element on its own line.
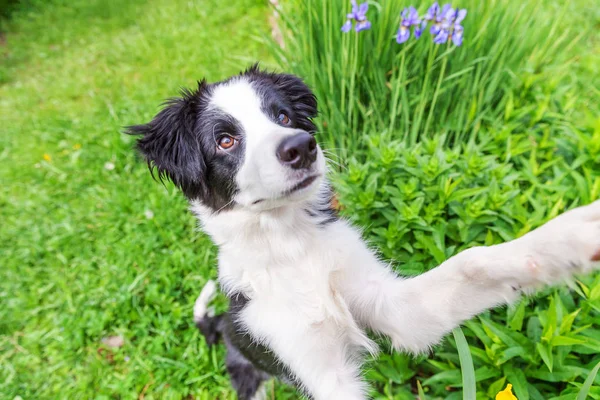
<point>303,184</point>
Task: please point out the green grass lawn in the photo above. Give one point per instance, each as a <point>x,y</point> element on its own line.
<point>90,246</point>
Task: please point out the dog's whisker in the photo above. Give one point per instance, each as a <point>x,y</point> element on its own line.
<point>331,153</point>
<point>335,163</point>
<point>225,206</point>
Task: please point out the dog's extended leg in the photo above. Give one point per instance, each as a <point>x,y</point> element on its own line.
<point>416,313</point>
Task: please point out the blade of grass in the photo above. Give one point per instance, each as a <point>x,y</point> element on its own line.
<point>585,389</point>
<point>466,365</point>
<point>420,392</point>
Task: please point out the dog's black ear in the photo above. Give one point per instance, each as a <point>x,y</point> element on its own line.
<point>170,145</point>
<point>295,90</point>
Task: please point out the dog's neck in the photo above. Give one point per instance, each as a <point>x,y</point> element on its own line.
<point>253,243</point>
<point>241,228</point>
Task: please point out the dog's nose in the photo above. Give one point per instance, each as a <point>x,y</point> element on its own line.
<point>298,151</point>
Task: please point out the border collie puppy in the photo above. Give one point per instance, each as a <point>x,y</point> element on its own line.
<point>304,288</point>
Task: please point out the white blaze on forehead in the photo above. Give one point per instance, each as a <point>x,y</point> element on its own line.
<point>261,175</point>
<point>239,99</point>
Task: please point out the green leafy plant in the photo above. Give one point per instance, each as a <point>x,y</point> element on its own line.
<point>421,204</point>
<point>438,148</point>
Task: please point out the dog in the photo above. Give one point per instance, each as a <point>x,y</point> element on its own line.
<point>303,286</point>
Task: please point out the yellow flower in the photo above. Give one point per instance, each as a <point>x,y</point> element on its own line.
<point>77,146</point>
<point>506,394</point>
<point>47,157</point>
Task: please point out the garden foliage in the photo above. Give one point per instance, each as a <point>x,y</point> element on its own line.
<point>440,143</point>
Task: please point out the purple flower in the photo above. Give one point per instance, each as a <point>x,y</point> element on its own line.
<point>359,15</point>
<point>457,35</point>
<point>446,23</point>
<point>403,34</point>
<point>454,28</point>
<point>410,17</point>
<point>445,9</point>
<point>447,18</point>
<point>432,12</point>
<point>460,16</point>
<point>441,37</point>
<point>347,26</point>
<point>362,25</point>
<point>438,17</point>
<point>420,28</point>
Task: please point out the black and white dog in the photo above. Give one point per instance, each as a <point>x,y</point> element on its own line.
<point>303,286</point>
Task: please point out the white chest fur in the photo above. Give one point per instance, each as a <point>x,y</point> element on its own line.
<point>286,263</point>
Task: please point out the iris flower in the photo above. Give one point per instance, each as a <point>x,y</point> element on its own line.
<point>359,15</point>
<point>437,17</point>
<point>456,31</point>
<point>420,28</point>
<point>447,24</point>
<point>410,17</point>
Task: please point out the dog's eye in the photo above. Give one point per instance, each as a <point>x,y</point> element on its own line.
<point>226,142</point>
<point>284,119</point>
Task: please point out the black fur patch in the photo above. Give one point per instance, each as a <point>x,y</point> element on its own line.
<point>287,93</point>
<point>180,144</point>
<point>323,211</point>
<point>245,377</point>
<point>211,328</point>
<point>260,356</point>
<point>248,362</point>
<point>171,145</point>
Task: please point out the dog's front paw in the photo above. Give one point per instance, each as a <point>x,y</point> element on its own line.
<point>569,244</point>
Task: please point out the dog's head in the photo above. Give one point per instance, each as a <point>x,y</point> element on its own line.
<point>243,142</point>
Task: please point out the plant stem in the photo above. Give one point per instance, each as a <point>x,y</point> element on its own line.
<point>435,94</point>
<point>396,85</point>
<point>422,100</point>
<point>354,96</point>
